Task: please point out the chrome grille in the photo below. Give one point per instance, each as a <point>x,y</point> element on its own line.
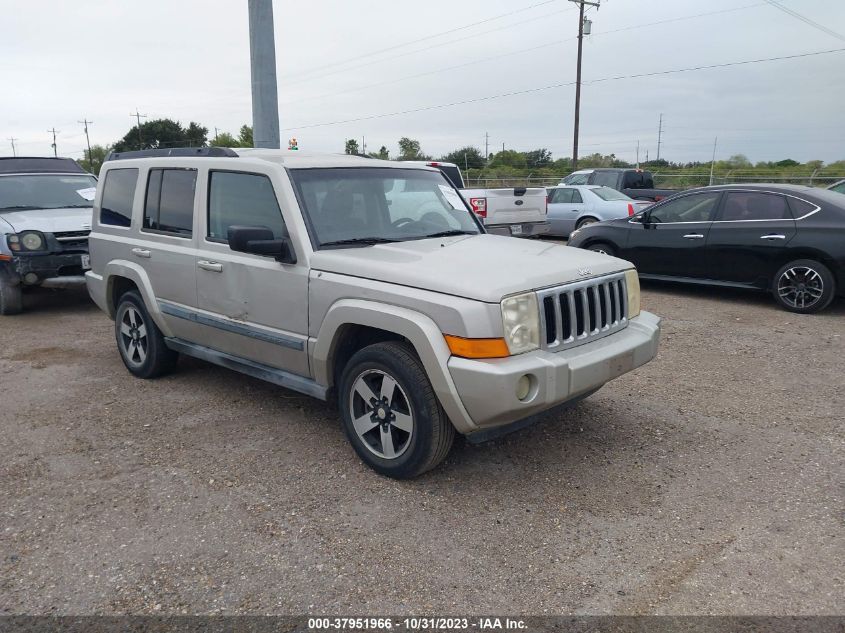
<point>583,311</point>
<point>72,240</point>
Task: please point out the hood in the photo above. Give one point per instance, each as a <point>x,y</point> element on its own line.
<point>482,267</point>
<point>49,220</point>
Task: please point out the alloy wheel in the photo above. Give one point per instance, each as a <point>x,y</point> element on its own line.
<point>133,336</point>
<point>381,414</point>
<point>800,287</point>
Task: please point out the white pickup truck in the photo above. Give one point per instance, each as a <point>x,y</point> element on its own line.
<point>517,211</point>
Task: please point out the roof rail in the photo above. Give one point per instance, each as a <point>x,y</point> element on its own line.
<point>207,152</point>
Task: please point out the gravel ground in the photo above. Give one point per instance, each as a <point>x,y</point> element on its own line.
<point>709,481</point>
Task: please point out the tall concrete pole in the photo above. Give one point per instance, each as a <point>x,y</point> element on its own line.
<point>262,56</point>
<point>578,88</point>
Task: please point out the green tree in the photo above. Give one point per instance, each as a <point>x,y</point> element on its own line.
<point>738,161</point>
<point>245,137</point>
<point>787,162</point>
<point>351,146</point>
<point>98,156</point>
<point>538,157</point>
<point>383,153</point>
<point>162,133</point>
<point>224,139</point>
<point>409,149</point>
<point>465,157</point>
<point>508,158</point>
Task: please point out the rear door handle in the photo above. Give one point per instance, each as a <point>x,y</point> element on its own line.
<point>694,236</point>
<point>140,252</point>
<point>773,236</point>
<point>214,267</point>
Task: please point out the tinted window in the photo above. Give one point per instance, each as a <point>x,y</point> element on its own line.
<point>576,197</point>
<point>694,208</point>
<point>606,193</point>
<point>800,208</point>
<point>453,174</point>
<point>577,179</point>
<point>840,187</point>
<point>118,194</point>
<point>242,199</point>
<point>562,195</point>
<point>605,178</point>
<point>750,205</point>
<point>169,205</point>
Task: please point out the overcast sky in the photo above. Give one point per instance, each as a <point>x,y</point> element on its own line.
<point>338,60</point>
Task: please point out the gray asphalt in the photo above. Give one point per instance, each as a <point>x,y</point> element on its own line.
<point>709,481</point>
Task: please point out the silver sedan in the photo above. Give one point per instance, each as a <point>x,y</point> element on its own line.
<point>571,207</point>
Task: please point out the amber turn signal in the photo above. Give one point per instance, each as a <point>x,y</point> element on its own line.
<point>477,347</point>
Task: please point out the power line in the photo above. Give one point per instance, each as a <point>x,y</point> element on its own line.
<point>561,85</point>
<point>517,52</point>
<point>421,50</point>
<point>806,20</point>
<point>428,37</point>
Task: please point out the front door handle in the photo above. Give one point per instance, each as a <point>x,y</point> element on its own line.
<point>214,267</point>
<point>694,236</point>
<point>773,236</point>
<point>141,252</point>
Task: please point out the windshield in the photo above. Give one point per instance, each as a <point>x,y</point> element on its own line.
<point>606,193</point>
<point>46,191</point>
<point>349,206</point>
<point>577,178</point>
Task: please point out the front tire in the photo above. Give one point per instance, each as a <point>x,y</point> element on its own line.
<point>804,286</point>
<point>139,341</point>
<point>11,298</point>
<point>601,247</point>
<point>390,412</point>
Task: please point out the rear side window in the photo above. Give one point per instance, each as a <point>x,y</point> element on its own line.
<point>606,193</point>
<point>169,205</point>
<point>118,194</point>
<point>800,208</point>
<point>453,174</point>
<point>605,179</point>
<point>742,206</point>
<point>239,199</point>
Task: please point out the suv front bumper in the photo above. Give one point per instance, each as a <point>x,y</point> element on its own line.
<point>51,270</point>
<point>487,388</point>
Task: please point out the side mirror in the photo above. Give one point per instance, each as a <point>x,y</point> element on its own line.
<point>642,218</point>
<point>259,240</point>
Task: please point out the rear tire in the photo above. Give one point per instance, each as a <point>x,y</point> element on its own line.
<point>390,413</point>
<point>139,341</point>
<point>585,222</point>
<point>11,298</point>
<point>804,286</point>
<point>601,247</point>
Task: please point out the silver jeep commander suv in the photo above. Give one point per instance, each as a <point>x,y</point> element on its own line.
<point>363,280</point>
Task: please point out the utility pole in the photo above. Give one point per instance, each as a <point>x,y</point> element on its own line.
<point>138,116</point>
<point>503,146</point>
<point>262,56</point>
<point>86,122</point>
<point>581,24</point>
<point>363,146</point>
<point>659,135</point>
<point>638,153</point>
<point>216,134</point>
<point>14,151</point>
<point>713,161</point>
<point>486,147</point>
<point>55,150</point>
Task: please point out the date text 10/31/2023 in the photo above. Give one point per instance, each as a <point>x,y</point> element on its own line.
<point>416,623</point>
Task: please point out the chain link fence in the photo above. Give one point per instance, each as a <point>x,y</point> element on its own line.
<point>667,180</point>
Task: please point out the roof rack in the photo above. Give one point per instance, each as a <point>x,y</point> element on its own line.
<point>38,165</point>
<point>207,152</point>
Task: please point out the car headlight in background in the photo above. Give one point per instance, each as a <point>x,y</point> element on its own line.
<point>26,241</point>
<point>632,283</point>
<point>521,320</point>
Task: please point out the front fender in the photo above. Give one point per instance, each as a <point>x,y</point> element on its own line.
<point>417,328</point>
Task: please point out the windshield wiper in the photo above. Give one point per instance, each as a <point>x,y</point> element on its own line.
<point>450,233</point>
<point>363,241</point>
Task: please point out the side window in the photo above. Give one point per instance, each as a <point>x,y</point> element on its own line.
<point>800,208</point>
<point>693,208</point>
<point>751,205</point>
<point>576,197</point>
<point>562,195</point>
<point>605,179</point>
<point>242,199</point>
<point>169,205</point>
<point>118,194</point>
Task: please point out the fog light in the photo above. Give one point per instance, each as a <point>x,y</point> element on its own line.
<point>30,278</point>
<point>523,387</point>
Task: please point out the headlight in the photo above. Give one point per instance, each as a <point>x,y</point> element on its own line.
<point>574,233</point>
<point>632,282</point>
<point>521,319</point>
<point>32,240</point>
